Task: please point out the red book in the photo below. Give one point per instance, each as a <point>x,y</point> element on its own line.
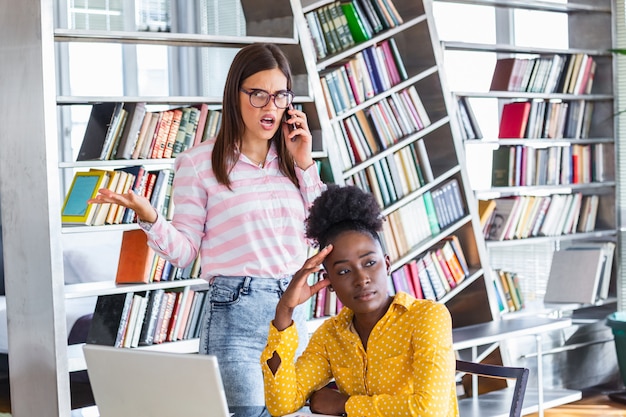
<point>202,116</point>
<point>514,120</point>
<point>150,185</point>
<point>135,261</point>
<point>176,312</point>
<point>171,136</point>
<point>445,268</point>
<point>185,315</point>
<point>161,134</point>
<point>414,275</point>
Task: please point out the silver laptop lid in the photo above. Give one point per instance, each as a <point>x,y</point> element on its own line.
<point>137,382</point>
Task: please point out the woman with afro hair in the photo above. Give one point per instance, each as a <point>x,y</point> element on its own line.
<point>388,355</point>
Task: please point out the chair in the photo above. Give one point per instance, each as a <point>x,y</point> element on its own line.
<point>501,372</point>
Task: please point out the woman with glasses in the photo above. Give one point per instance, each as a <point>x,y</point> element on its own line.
<point>240,202</point>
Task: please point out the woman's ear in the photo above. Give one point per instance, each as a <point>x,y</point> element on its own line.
<point>324,275</point>
<point>388,264</point>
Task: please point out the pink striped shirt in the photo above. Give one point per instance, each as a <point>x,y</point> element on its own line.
<point>256,230</point>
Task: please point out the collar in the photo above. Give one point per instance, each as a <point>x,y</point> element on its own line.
<point>401,300</point>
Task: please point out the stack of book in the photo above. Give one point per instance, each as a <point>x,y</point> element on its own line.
<point>423,217</point>
<point>138,263</point>
<point>382,125</point>
<point>508,291</point>
<point>371,71</point>
<point>144,318</point>
<point>566,74</point>
<point>522,217</point>
<point>156,186</point>
<point>515,166</point>
<point>550,119</point>
<point>340,25</point>
<point>130,131</point>
<point>395,176</point>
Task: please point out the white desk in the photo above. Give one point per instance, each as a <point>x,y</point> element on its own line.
<point>497,403</point>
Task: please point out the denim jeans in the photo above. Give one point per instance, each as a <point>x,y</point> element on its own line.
<point>235,324</point>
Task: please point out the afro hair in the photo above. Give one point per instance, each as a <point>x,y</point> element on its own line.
<point>343,208</point>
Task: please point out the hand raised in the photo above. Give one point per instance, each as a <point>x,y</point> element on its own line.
<point>140,204</point>
<point>299,289</point>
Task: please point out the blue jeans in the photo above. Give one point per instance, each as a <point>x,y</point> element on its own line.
<point>235,324</point>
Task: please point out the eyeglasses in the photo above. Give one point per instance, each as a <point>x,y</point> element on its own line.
<point>259,98</point>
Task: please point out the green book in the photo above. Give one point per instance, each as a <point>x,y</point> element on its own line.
<point>328,30</point>
<point>433,222</point>
<point>340,23</point>
<point>358,29</point>
<point>500,167</point>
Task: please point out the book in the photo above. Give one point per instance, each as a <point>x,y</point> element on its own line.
<point>119,189</point>
<point>85,185</point>
<point>514,119</point>
<point>102,213</point>
<point>141,136</point>
<point>502,78</point>
<point>133,316</point>
<point>436,280</point>
<point>574,276</point>
<point>608,253</point>
<point>150,135</point>
<point>328,30</point>
<point>458,252</point>
<point>162,134</point>
<point>177,115</point>
<point>502,212</point>
<point>508,296</point>
<point>202,118</point>
<point>358,28</point>
<point>130,134</point>
<point>136,258</point>
<point>107,316</point>
<point>341,25</point>
<point>141,314</point>
<point>424,279</point>
<point>146,335</point>
<point>101,118</point>
<point>501,167</point>
<point>371,15</point>
<point>315,29</point>
<point>485,210</point>
<point>114,134</point>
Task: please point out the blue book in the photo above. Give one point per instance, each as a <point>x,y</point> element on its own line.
<point>370,63</point>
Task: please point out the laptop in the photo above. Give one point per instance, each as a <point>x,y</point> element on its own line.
<point>137,382</point>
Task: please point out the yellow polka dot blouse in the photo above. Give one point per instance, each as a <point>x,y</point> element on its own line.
<point>408,369</point>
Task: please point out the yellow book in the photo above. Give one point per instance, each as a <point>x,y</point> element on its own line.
<point>85,185</point>
<point>485,210</point>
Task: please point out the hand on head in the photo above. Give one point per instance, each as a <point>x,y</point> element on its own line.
<point>299,289</point>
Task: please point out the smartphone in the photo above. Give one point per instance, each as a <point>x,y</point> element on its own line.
<point>286,116</point>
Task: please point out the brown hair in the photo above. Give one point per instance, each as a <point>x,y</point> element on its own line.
<point>248,61</point>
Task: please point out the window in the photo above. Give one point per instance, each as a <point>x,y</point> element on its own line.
<point>116,70</point>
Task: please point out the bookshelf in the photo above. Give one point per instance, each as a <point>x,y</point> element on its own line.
<point>40,366</point>
<point>37,292</point>
<point>564,151</point>
<point>422,145</point>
